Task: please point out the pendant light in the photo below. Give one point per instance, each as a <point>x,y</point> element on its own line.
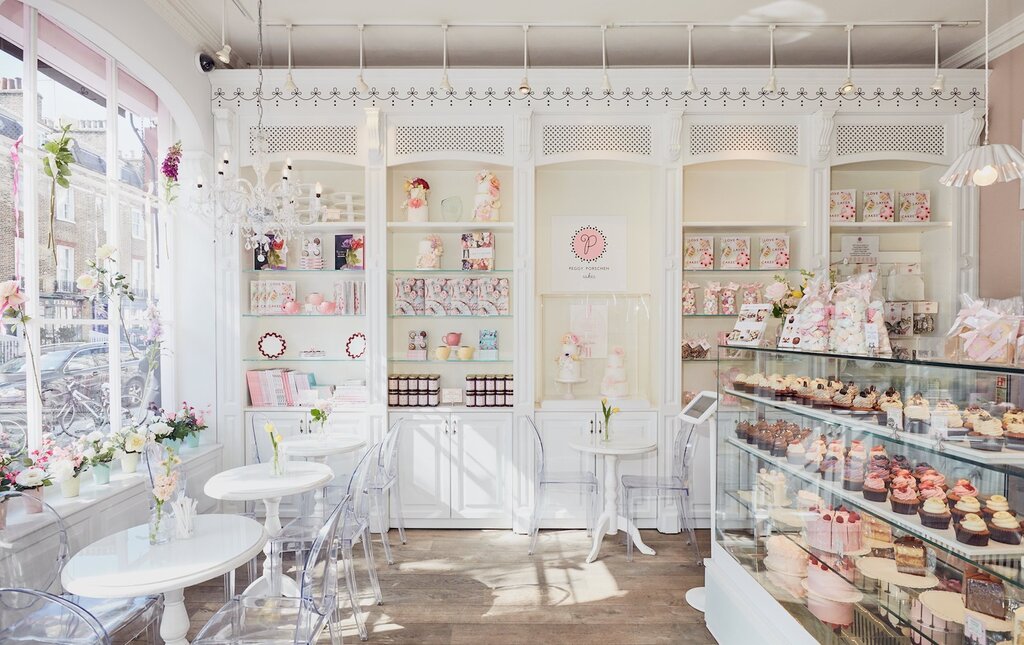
<point>224,53</point>
<point>771,86</point>
<point>289,82</point>
<point>691,85</point>
<point>988,163</point>
<point>606,85</point>
<point>940,81</point>
<point>848,89</point>
<point>524,85</point>
<point>361,85</point>
<point>446,86</point>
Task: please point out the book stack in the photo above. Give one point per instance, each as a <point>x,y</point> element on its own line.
<point>281,387</point>
<point>451,296</point>
<point>268,296</point>
<point>350,296</point>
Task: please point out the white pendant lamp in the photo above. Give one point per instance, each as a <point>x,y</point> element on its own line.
<point>848,89</point>
<point>988,163</point>
<point>771,86</point>
<point>361,85</point>
<point>224,53</point>
<point>289,82</point>
<point>606,84</point>
<point>524,85</point>
<point>691,85</point>
<point>940,81</point>
<point>446,86</point>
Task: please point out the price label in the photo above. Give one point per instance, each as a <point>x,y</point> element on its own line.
<point>974,630</point>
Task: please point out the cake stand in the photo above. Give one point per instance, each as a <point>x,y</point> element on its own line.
<point>569,383</point>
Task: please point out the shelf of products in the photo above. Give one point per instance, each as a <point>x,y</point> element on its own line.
<point>430,227</point>
<point>301,359</point>
<point>852,522</point>
<point>283,315</point>
<point>346,272</point>
<point>878,227</point>
<point>741,225</point>
<point>449,271</point>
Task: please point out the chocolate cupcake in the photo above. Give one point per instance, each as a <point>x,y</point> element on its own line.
<point>973,531</point>
<point>904,500</point>
<point>935,514</point>
<point>965,506</point>
<point>1004,528</point>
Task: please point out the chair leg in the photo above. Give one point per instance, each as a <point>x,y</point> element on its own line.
<point>630,523</point>
<point>371,566</point>
<point>538,503</point>
<point>591,507</point>
<point>686,519</point>
<point>153,628</point>
<point>353,594</point>
<point>229,585</point>
<point>396,499</point>
<point>379,509</point>
<point>332,630</point>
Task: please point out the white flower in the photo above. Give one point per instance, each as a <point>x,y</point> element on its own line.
<point>94,437</point>
<point>134,442</point>
<point>776,290</point>
<point>89,454</point>
<point>32,477</point>
<point>62,470</point>
<point>160,429</point>
<point>105,251</point>
<point>86,282</point>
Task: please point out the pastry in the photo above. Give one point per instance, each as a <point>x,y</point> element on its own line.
<point>796,453</point>
<point>834,531</point>
<point>1013,425</point>
<point>928,490</point>
<point>987,435</point>
<point>972,530</point>
<point>843,399</point>
<point>903,479</point>
<point>911,556</point>
<point>972,414</point>
<point>961,488</point>
<point>904,500</point>
<point>917,415</point>
<point>933,476</point>
<point>771,488</point>
<point>857,450</point>
<point>740,382</point>
<point>821,397</point>
<point>984,593</point>
<point>875,488</point>
<point>864,401</point>
<point>886,402</point>
<point>831,469</point>
<point>853,473</point>
<point>1004,528</point>
<point>954,421</point>
<point>935,514</point>
<point>784,556</point>
<point>826,588</point>
<point>806,500</point>
<point>994,504</point>
<point>965,506</point>
<point>876,530</point>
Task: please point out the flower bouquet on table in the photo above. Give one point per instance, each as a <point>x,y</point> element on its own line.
<point>321,412</point>
<point>607,410</point>
<point>97,452</point>
<point>277,461</point>
<point>34,476</point>
<point>165,482</point>
<point>130,442</point>
<point>66,464</point>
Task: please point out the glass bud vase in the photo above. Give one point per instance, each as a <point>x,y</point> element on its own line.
<point>277,464</point>
<point>161,524</point>
<point>606,434</point>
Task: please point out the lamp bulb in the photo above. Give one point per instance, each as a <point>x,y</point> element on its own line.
<point>986,176</point>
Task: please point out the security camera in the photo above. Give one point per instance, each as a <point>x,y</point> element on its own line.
<point>205,62</point>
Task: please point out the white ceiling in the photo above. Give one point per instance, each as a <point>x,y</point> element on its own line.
<point>390,41</point>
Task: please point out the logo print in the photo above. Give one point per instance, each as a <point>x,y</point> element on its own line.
<point>589,243</point>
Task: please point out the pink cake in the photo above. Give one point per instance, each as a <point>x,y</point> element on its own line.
<point>825,587</point>
<point>938,630</point>
<point>785,557</point>
<point>835,531</point>
<point>830,611</point>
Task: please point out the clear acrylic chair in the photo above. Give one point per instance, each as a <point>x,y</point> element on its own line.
<point>384,482</point>
<point>297,535</point>
<point>676,486</point>
<point>37,617</point>
<point>543,480</point>
<point>279,620</point>
<point>38,568</point>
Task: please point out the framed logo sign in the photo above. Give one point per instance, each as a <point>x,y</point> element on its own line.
<point>588,253</point>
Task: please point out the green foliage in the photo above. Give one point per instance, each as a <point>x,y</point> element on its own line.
<point>57,166</point>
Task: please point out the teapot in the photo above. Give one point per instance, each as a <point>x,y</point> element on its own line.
<point>291,307</point>
<point>453,339</point>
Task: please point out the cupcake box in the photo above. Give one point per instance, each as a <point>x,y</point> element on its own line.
<point>879,206</point>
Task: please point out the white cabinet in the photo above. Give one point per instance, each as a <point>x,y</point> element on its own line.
<point>454,468</point>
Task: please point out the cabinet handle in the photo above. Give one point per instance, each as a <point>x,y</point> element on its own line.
<point>446,427</point>
<point>455,426</point>
<point>591,426</point>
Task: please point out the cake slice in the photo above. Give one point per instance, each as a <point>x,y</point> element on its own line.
<point>984,594</point>
<point>911,556</point>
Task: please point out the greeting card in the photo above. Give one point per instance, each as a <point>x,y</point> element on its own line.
<point>410,296</point>
<point>879,206</point>
<point>699,253</point>
<point>734,252</point>
<point>478,251</point>
<point>915,206</point>
<point>775,251</point>
<point>842,205</point>
<point>438,296</point>
<point>348,251</point>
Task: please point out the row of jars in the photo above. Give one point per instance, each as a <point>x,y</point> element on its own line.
<point>414,390</point>
<point>490,390</point>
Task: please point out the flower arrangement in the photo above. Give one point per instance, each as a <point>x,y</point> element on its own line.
<point>57,166</point>
<point>169,171</point>
<point>165,483</point>
<point>416,191</point>
<point>103,281</point>
<point>275,441</point>
<point>96,448</point>
<point>66,464</point>
<point>321,412</point>
<point>130,440</point>
<point>186,422</point>
<point>6,473</point>
<point>35,474</point>
<point>607,410</point>
<point>12,307</point>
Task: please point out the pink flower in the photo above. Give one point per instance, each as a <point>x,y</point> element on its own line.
<point>10,295</point>
<point>415,203</point>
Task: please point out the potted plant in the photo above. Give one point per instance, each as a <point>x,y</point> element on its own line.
<point>34,476</point>
<point>130,442</point>
<point>65,466</point>
<point>98,451</point>
<point>188,423</point>
<point>164,433</point>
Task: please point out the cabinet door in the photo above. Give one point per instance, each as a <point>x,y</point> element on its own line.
<point>424,474</point>
<point>565,506</point>
<point>637,425</point>
<point>481,451</point>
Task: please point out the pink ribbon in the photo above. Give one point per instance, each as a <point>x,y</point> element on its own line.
<point>15,154</point>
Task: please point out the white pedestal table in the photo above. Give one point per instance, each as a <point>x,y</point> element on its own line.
<point>319,447</point>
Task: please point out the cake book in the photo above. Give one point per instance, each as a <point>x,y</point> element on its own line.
<point>463,296</point>
<point>842,205</point>
<point>734,252</point>
<point>492,297</point>
<point>478,251</point>
<point>750,326</point>
<point>699,253</point>
<point>311,258</point>
<point>348,252</point>
<point>879,206</point>
<point>349,297</point>
<point>488,347</point>
<point>775,251</point>
<point>269,296</point>
<point>410,296</point>
<point>272,257</point>
<point>915,206</point>
<point>438,296</point>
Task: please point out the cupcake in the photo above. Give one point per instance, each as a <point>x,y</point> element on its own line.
<point>962,488</point>
<point>934,513</point>
<point>904,500</point>
<point>987,435</point>
<point>857,450</point>
<point>954,421</point>
<point>796,453</point>
<point>763,387</point>
<point>973,531</point>
<point>966,506</point>
<point>843,399</point>
<point>995,504</point>
<point>836,449</point>
<point>1013,425</point>
<point>780,446</point>
<point>821,397</point>
<point>831,469</point>
<point>886,402</point>
<point>933,476</point>
<point>928,490</point>
<point>972,414</point>
<point>879,450</point>
<point>875,488</point>
<point>1004,528</point>
<point>864,401</point>
<point>853,474</point>
<point>903,479</point>
<point>916,418</point>
<point>813,464</point>
<point>740,382</point>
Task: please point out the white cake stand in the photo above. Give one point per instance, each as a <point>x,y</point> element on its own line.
<point>569,383</point>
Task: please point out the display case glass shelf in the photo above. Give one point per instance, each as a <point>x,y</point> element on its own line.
<point>325,316</point>
<point>869,514</point>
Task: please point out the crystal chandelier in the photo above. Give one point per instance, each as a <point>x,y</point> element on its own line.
<point>261,212</point>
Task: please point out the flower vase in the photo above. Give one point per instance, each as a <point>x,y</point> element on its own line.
<point>277,464</point>
<point>160,524</point>
<point>33,500</point>
<point>3,514</point>
<point>70,487</point>
<point>606,434</point>
<point>129,462</point>
<point>192,441</point>
<point>100,474</point>
<point>172,444</point>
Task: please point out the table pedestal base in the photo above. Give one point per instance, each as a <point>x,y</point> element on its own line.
<point>609,523</point>
<point>174,623</point>
<point>272,582</point>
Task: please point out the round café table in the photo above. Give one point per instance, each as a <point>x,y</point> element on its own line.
<point>319,447</point>
<point>255,482</point>
<point>125,565</point>
<point>610,521</point>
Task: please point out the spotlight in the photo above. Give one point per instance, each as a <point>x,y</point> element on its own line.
<point>848,89</point>
<point>224,54</point>
<point>524,86</point>
<point>361,85</point>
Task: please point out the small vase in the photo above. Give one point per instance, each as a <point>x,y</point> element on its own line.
<point>129,462</point>
<point>160,524</point>
<point>100,473</point>
<point>192,441</point>
<point>3,514</point>
<point>277,464</point>
<point>33,500</point>
<point>70,487</point>
<point>606,434</point>
<point>172,444</point>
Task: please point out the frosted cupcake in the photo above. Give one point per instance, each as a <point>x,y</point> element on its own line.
<point>1004,528</point>
<point>935,514</point>
<point>886,402</point>
<point>796,453</point>
<point>951,413</point>
<point>962,488</point>
<point>1013,424</point>
<point>966,505</point>
<point>917,415</point>
<point>996,504</point>
<point>987,435</point>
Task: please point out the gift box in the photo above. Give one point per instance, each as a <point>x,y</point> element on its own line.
<point>463,296</point>
<point>879,206</point>
<point>438,296</point>
<point>915,206</point>
<point>410,296</point>
<point>689,298</point>
<point>492,297</point>
<point>734,252</point>
<point>842,205</point>
<point>699,253</point>
<point>775,251</point>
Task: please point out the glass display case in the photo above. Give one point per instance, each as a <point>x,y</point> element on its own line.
<point>877,500</point>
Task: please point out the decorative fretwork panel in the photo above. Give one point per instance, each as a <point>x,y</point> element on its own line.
<point>860,139</point>
<point>714,138</point>
<point>582,138</point>
<point>474,139</point>
<point>335,139</point>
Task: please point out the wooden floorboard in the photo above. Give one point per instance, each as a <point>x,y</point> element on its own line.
<point>472,586</point>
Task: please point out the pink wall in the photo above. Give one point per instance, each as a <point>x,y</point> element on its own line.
<point>1001,216</point>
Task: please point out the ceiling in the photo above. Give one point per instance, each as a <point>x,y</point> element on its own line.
<point>406,33</point>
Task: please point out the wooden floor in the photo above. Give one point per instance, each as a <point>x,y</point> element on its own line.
<point>469,586</point>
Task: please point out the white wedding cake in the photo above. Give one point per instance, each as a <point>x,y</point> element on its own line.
<point>569,360</point>
<point>614,383</point>
<point>487,201</point>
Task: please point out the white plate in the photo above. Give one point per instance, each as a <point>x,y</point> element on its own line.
<point>884,569</point>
